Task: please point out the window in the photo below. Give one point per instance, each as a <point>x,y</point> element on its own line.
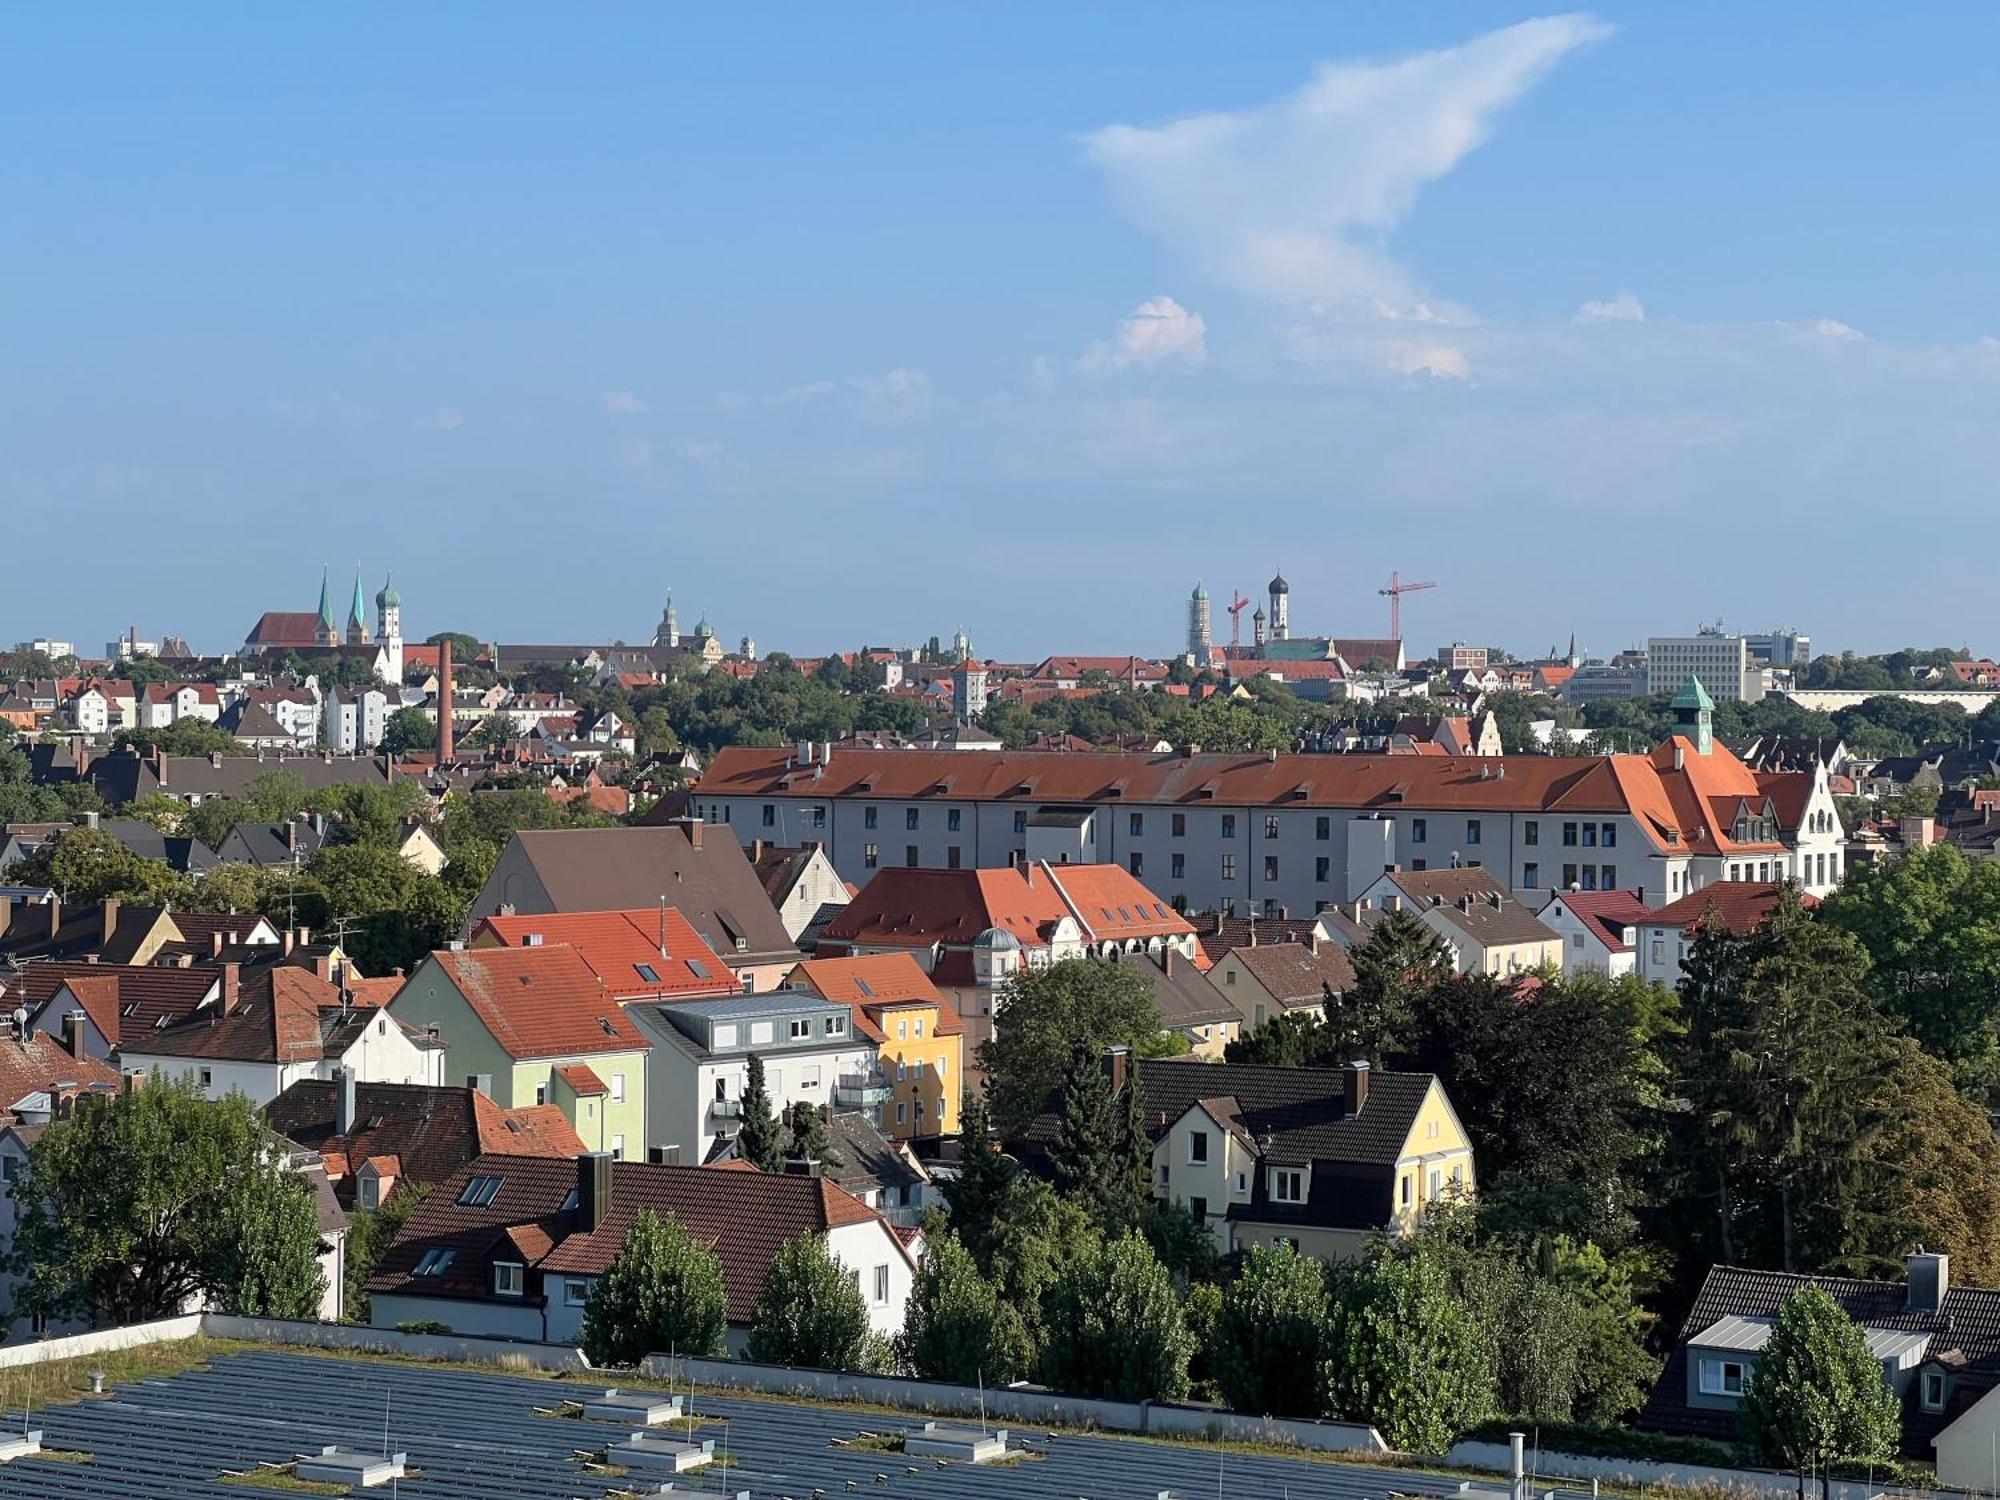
<point>1472,830</point>
<point>618,1148</point>
<point>952,820</point>
<point>1020,820</point>
<point>910,818</point>
<point>1420,864</point>
<point>871,855</point>
<point>944,1067</point>
<point>1198,1207</point>
<point>902,1113</point>
<point>917,1028</point>
<point>881,1286</point>
<point>435,1262</point>
<point>1177,866</point>
<point>1288,1185</point>
<point>819,817</point>
<point>1229,825</point>
<point>207,1077</point>
<point>1531,874</point>
<point>1722,1377</point>
<point>1569,877</point>
<point>541,1093</point>
<point>1180,825</point>
<point>1322,829</point>
<point>798,1028</point>
<point>509,1279</point>
<point>1270,867</point>
<point>1406,1187</point>
<point>760,1033</point>
<point>1607,835</point>
<point>723,1036</point>
<point>481,1083</point>
<point>868,816</point>
<point>809,1077</point>
<point>1136,825</point>
<point>1228,867</point>
<point>648,973</point>
<point>1138,863</point>
<point>1659,950</point>
<point>1197,1148</point>
<point>1590,877</point>
<point>910,855</point>
<point>1531,833</point>
<point>371,1187</point>
<point>1590,835</point>
<point>1419,830</point>
<point>1607,878</point>
<point>618,1088</point>
<point>1270,825</point>
<point>902,1070</point>
<point>1569,835</point>
<point>1322,869</point>
<point>836,1026</point>
<point>770,816</point>
<point>575,1292</point>
<point>479,1192</point>
<point>1437,1182</point>
<point>1932,1394</point>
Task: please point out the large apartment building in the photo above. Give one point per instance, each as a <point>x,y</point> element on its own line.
<point>1720,663</point>
<point>1278,833</point>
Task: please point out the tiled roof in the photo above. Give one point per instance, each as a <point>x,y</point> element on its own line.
<point>1665,798</point>
<point>744,1216</point>
<point>617,945</point>
<point>1741,904</point>
<point>1967,1326</point>
<point>432,1131</point>
<point>1430,887</point>
<point>41,1064</point>
<point>874,984</point>
<point>1295,974</point>
<point>146,991</point>
<point>630,869</point>
<point>1218,934</point>
<point>1607,914</point>
<point>1494,920</point>
<point>582,1079</point>
<point>915,908</point>
<point>276,1018</point>
<point>1181,992</point>
<point>539,1002</point>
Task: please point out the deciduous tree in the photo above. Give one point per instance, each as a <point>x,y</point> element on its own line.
<point>957,1327</point>
<point>1045,1015</point>
<point>663,1292</point>
<point>1115,1328</point>
<point>1270,1345</point>
<point>810,1311</point>
<point>1818,1396</point>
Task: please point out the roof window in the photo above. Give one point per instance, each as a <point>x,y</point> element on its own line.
<point>479,1192</point>
<point>435,1262</point>
<point>866,989</point>
<point>648,973</point>
<point>697,968</point>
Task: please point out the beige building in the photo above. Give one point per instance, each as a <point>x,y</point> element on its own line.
<point>1320,1159</point>
<point>1264,980</point>
<point>1486,929</point>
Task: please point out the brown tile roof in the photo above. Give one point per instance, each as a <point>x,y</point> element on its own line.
<point>630,869</point>
<point>1181,992</point>
<point>430,1132</point>
<point>744,1216</point>
<point>144,993</point>
<point>282,1014</point>
<point>1432,887</point>
<point>42,1063</point>
<point>539,1002</point>
<point>915,908</point>
<point>1218,934</point>
<point>1741,904</point>
<point>1295,974</point>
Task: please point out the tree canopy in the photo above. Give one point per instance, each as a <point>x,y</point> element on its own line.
<point>810,1311</point>
<point>1047,1016</point>
<point>662,1293</point>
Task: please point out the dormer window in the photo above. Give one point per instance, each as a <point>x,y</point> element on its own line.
<point>509,1279</point>
<point>1931,1392</point>
<point>1288,1185</point>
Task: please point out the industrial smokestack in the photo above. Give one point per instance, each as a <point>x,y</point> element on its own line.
<point>444,704</point>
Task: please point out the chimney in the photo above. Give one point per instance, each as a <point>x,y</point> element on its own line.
<point>232,983</point>
<point>343,1118</point>
<point>55,916</point>
<point>445,726</point>
<point>72,1033</point>
<point>691,826</point>
<point>215,944</point>
<point>1116,1061</point>
<point>90,820</point>
<point>1929,1278</point>
<point>1167,962</point>
<point>285,941</point>
<point>593,1190</point>
<point>1355,1089</point>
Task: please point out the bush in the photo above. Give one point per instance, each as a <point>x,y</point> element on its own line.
<point>423,1325</point>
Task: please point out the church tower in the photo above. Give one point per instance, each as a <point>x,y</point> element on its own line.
<point>389,628</point>
<point>1281,609</point>
<point>1198,625</point>
<point>327,631</point>
<point>357,615</point>
<point>669,633</point>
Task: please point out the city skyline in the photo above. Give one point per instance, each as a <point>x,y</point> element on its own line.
<point>1022,328</point>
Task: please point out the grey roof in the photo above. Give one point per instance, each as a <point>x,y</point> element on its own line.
<point>267,844</point>
<point>1181,992</point>
<point>187,855</point>
<point>755,1007</point>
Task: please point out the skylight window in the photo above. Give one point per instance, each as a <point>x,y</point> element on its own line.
<point>697,968</point>
<point>866,989</point>
<point>648,973</point>
<point>479,1192</point>
<point>569,1201</point>
<point>436,1262</point>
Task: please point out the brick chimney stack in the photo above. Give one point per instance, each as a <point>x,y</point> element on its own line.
<point>445,725</point>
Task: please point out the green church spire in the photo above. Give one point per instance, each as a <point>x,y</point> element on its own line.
<point>357,612</point>
<point>326,619</point>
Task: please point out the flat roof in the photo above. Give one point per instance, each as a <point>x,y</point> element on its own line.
<point>1751,1334</point>
<point>754,1007</point>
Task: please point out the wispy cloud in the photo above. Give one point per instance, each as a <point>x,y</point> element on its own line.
<point>1159,333</point>
<point>444,419</point>
<point>1623,308</point>
<point>1289,200</point>
<point>623,403</point>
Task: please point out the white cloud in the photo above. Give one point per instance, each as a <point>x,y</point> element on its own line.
<point>636,453</point>
<point>1827,328</point>
<point>623,403</point>
<point>1623,308</point>
<point>444,419</point>
<point>1442,361</point>
<point>1289,200</point>
<point>1159,333</point>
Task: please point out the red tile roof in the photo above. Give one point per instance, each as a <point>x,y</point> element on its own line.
<point>916,908</point>
<point>744,1216</point>
<point>43,1063</point>
<point>1685,808</point>
<point>1607,914</point>
<point>539,1002</point>
<point>1741,904</point>
<point>875,984</point>
<point>616,943</point>
<point>146,991</point>
<point>581,1079</point>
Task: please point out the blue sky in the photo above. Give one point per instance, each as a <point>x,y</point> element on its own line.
<point>863,322</point>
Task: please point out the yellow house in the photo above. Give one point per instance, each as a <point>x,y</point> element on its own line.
<point>1317,1158</point>
<point>1263,981</point>
<point>535,1026</point>
<point>919,1038</point>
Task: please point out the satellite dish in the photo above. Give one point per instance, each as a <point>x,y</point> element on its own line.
<point>21,1021</point>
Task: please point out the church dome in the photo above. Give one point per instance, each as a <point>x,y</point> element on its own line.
<point>997,940</point>
<point>388,598</point>
<point>1279,586</point>
<point>704,629</point>
<point>1201,591</point>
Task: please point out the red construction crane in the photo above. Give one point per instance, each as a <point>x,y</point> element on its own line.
<point>1399,586</point>
<point>1236,620</point>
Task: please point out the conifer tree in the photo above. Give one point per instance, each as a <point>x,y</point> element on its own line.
<point>759,1140</point>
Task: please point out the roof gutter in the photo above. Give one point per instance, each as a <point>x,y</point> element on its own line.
<point>1074,910</point>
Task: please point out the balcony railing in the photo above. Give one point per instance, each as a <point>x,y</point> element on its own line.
<point>726,1109</point>
<point>852,1089</point>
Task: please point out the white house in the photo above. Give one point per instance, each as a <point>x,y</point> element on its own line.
<point>1599,929</point>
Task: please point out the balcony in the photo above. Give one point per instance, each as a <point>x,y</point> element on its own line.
<point>726,1109</point>
<point>857,1090</point>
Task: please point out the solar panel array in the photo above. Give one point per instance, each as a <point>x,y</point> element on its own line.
<point>476,1436</point>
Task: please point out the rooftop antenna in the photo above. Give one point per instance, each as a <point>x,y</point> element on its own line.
<point>663,924</point>
<point>982,1401</point>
